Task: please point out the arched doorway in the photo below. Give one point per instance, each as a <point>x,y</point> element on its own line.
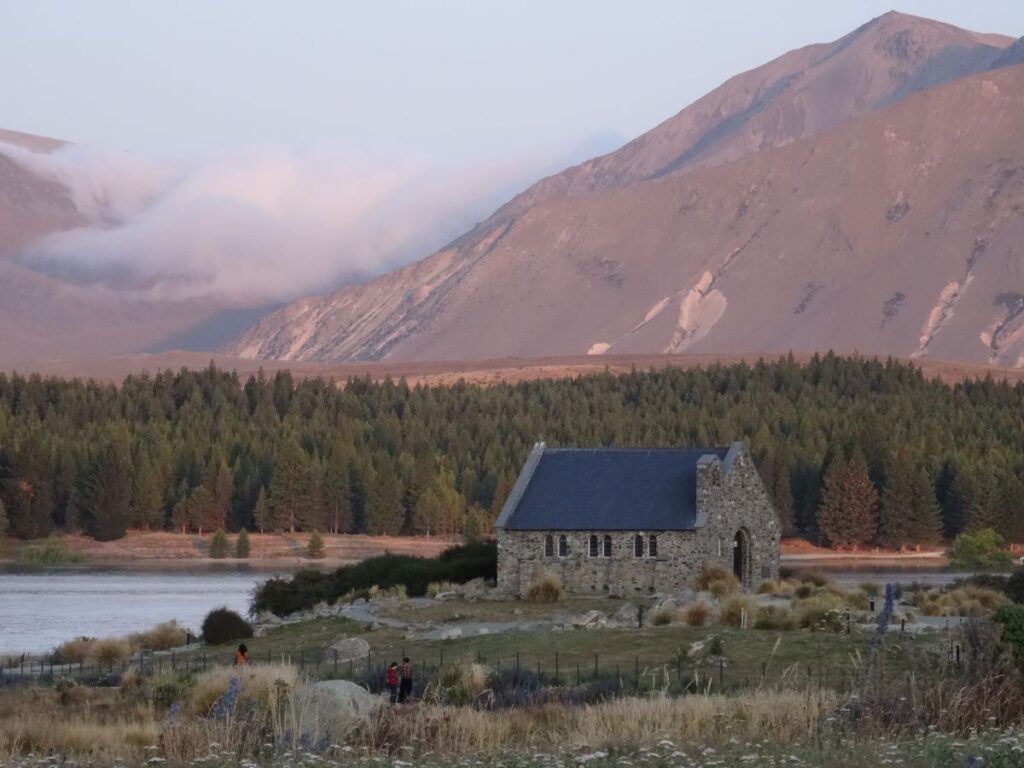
<point>741,556</point>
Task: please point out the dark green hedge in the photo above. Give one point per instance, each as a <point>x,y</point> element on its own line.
<point>307,588</point>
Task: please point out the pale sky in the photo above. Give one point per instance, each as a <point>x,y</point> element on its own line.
<point>459,79</point>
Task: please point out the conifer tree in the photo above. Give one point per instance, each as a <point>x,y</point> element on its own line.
<point>385,511</point>
<point>288,484</point>
<point>107,504</point>
<point>909,513</point>
<point>242,545</point>
<point>849,505</point>
<point>263,513</point>
<point>315,548</point>
<point>219,545</point>
<point>439,509</point>
<point>3,520</point>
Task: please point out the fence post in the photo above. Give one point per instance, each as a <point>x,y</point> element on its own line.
<point>577,671</point>
<point>204,661</point>
<point>335,663</point>
<point>721,674</point>
<point>556,667</point>
<point>442,659</point>
<point>517,667</point>
<point>636,672</point>
<point>302,660</point>
<point>595,666</point>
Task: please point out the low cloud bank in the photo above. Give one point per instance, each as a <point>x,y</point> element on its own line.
<point>261,224</point>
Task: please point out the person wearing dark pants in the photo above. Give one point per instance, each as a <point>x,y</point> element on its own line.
<point>392,682</point>
<point>405,690</point>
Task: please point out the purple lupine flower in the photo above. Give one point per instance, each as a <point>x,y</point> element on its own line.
<point>886,614</point>
<point>225,703</point>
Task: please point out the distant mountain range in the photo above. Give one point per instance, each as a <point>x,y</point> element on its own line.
<point>861,195</point>
<point>865,194</point>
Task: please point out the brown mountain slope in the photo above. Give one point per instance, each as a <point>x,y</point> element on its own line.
<point>897,232</point>
<point>798,95</point>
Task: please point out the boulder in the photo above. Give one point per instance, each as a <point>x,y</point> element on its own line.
<point>330,709</point>
<point>450,633</point>
<point>473,589</point>
<point>628,615</point>
<point>589,620</point>
<point>350,649</point>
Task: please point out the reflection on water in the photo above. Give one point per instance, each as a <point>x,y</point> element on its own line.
<point>41,608</point>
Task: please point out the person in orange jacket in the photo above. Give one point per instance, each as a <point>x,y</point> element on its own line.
<point>241,655</point>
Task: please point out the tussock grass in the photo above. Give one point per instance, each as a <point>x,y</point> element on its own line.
<point>778,715</point>
<point>262,686</point>
<point>435,588</point>
<point>546,589</point>
<point>697,614</point>
<point>162,637</point>
<point>733,609</point>
<point>718,581</point>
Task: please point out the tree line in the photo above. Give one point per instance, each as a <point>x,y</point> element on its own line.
<point>853,451</point>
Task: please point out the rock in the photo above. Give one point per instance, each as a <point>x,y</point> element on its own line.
<point>696,650</point>
<point>628,615</point>
<point>376,626</point>
<point>517,612</point>
<point>332,708</point>
<point>589,620</point>
<point>483,631</point>
<point>359,601</point>
<point>350,649</point>
<point>450,633</point>
<point>473,589</point>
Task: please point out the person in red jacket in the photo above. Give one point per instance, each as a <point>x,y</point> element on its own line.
<point>393,681</point>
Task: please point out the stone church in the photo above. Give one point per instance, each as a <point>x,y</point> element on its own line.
<point>627,521</point>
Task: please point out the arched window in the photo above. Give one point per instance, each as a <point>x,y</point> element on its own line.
<point>652,546</point>
<point>593,546</point>
<point>638,546</point>
<point>549,546</point>
<point>607,546</point>
<point>563,546</point>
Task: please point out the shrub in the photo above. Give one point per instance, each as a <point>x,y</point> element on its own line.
<point>307,588</point>
<point>718,581</point>
<point>315,548</point>
<point>50,552</point>
<point>662,617</point>
<point>546,589</point>
<point>821,612</point>
<point>1010,618</point>
<point>223,625</point>
<point>733,609</point>
<point>264,689</point>
<point>981,550</point>
<point>697,614</point>
<point>219,544</point>
<point>768,587</point>
<point>871,588</point>
<point>162,637</point>
<point>774,617</point>
<point>811,577</point>
<point>804,591</point>
<point>435,588</point>
<point>110,650</point>
<point>74,651</point>
<point>242,546</point>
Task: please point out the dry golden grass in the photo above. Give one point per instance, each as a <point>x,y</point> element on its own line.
<point>737,607</point>
<point>718,581</point>
<point>782,716</point>
<point>162,637</point>
<point>697,614</point>
<point>262,685</point>
<point>98,725</point>
<point>546,589</point>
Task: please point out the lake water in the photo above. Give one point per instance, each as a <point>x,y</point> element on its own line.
<point>40,609</point>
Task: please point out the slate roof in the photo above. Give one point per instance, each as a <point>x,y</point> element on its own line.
<point>606,489</point>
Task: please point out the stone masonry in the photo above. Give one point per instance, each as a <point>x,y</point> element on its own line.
<point>733,509</point>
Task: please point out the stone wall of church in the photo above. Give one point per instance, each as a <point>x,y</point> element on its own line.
<point>728,503</point>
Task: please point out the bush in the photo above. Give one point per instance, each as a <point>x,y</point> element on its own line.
<point>1010,619</point>
<point>110,650</point>
<point>697,614</point>
<point>822,612</point>
<point>242,546</point>
<point>774,617</point>
<point>162,637</point>
<point>74,651</point>
<point>546,589</point>
<point>50,552</point>
<point>223,625</point>
<point>219,544</point>
<point>733,609</point>
<point>307,588</point>
<point>663,617</point>
<point>811,577</point>
<point>982,550</point>
<point>718,581</point>
<point>315,548</point>
<point>435,588</point>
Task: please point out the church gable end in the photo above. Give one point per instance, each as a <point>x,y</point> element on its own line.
<point>635,521</point>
